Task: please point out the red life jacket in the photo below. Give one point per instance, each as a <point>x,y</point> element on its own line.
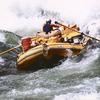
<point>26,43</point>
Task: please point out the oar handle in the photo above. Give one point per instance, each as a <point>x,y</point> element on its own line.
<point>60,24</point>
<point>57,22</point>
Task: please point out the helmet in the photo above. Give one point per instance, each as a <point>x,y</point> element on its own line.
<point>49,21</point>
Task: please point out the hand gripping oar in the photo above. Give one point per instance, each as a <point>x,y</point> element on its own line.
<point>1,53</point>
<point>77,31</point>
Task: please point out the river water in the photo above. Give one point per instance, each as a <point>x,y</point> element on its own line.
<point>76,78</point>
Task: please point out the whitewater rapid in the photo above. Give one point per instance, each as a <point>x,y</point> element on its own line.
<point>75,78</point>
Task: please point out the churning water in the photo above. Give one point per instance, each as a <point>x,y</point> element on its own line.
<point>77,78</point>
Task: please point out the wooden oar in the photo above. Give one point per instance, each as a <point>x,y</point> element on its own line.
<point>77,31</point>
<point>91,37</point>
<point>1,53</point>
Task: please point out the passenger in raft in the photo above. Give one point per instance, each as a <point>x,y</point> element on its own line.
<point>48,27</point>
<point>27,43</point>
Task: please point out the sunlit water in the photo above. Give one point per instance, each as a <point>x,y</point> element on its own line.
<point>75,78</point>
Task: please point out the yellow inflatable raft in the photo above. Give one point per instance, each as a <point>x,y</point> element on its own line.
<point>49,49</point>
<point>47,52</point>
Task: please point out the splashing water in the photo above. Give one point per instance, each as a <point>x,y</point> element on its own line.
<point>2,39</point>
<point>79,96</point>
<point>71,80</point>
<point>29,16</point>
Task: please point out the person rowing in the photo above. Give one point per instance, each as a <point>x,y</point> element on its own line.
<point>48,27</point>
<point>49,30</point>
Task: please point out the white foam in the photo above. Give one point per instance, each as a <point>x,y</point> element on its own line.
<point>1,61</point>
<point>84,64</point>
<point>41,90</point>
<point>15,92</point>
<point>78,96</point>
<point>22,15</point>
<point>2,37</point>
